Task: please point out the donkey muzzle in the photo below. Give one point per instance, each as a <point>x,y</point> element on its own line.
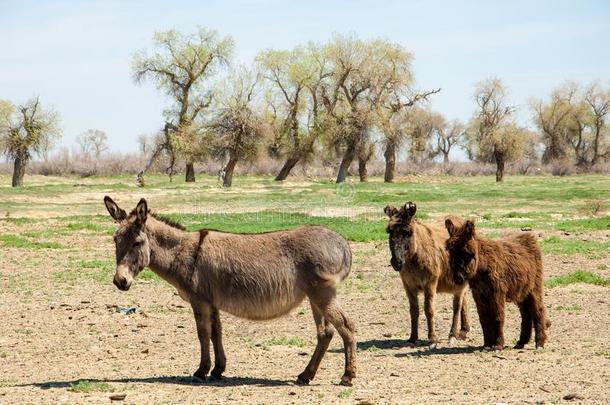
<point>122,279</point>
<point>396,264</point>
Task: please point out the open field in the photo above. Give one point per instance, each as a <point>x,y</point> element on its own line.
<point>62,339</point>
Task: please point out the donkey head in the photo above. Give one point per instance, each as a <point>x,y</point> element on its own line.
<point>400,230</point>
<point>131,243</point>
<point>463,250</point>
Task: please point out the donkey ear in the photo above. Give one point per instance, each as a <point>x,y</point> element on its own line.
<point>411,208</point>
<point>113,209</point>
<point>142,210</point>
<point>469,229</point>
<point>450,226</point>
<point>390,210</point>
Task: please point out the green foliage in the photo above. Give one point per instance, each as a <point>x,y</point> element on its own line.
<point>581,276</point>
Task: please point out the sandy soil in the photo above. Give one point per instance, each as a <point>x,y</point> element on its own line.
<point>54,334</point>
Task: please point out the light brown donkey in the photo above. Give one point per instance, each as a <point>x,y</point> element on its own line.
<point>257,276</point>
<point>418,253</point>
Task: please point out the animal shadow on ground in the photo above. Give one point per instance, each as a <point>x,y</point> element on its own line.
<point>440,351</point>
<point>385,344</point>
<point>179,380</point>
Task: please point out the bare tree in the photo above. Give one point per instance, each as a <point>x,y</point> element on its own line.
<point>421,127</point>
<point>597,101</point>
<point>493,135</point>
<point>553,120</point>
<point>393,111</point>
<point>237,124</point>
<point>180,68</point>
<point>295,76</point>
<point>448,135</point>
<point>26,130</point>
<point>93,141</point>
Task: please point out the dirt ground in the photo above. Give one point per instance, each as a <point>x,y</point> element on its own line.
<point>55,334</point>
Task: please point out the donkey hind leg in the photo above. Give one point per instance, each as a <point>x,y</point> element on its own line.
<point>429,294</point>
<point>414,313</point>
<point>202,314</point>
<point>539,318</point>
<point>324,333</point>
<point>465,316</point>
<point>455,320</point>
<point>525,309</point>
<point>220,360</point>
<point>346,329</point>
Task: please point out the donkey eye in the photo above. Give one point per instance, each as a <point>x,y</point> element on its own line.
<point>137,244</point>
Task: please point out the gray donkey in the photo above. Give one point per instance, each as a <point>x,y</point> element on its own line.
<point>256,276</point>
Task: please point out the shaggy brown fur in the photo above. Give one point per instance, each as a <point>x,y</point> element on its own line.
<point>508,269</point>
<point>418,253</point>
<point>258,276</point>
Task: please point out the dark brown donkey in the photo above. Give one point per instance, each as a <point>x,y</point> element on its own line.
<point>258,276</point>
<point>418,253</point>
<point>507,269</point>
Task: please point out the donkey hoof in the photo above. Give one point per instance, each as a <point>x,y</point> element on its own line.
<point>346,381</point>
<point>519,346</point>
<point>463,335</point>
<point>486,349</point>
<point>302,379</point>
<point>200,374</point>
<point>539,347</point>
<point>432,345</point>
<point>217,374</point>
<point>452,340</point>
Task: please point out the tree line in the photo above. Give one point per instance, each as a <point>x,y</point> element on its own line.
<point>345,99</point>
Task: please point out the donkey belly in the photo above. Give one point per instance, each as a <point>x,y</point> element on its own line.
<point>260,307</point>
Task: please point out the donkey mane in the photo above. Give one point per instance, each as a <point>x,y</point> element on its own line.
<point>164,219</point>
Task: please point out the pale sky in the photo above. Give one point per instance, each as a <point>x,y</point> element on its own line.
<point>76,55</point>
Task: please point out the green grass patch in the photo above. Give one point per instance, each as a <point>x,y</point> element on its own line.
<point>569,308</point>
<point>357,230</point>
<point>580,276</point>
<point>90,226</point>
<point>285,341</point>
<point>86,386</point>
<point>346,393</point>
<point>99,271</point>
<point>555,244</point>
<point>15,241</point>
<point>583,225</point>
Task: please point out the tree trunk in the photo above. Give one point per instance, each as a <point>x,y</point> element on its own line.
<point>362,172</point>
<point>228,172</point>
<point>390,162</point>
<point>190,173</point>
<point>346,161</point>
<point>499,167</point>
<point>288,165</point>
<point>19,170</point>
<point>445,158</point>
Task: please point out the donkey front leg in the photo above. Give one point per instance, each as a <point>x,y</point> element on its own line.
<point>429,294</point>
<point>220,361</point>
<point>414,312</point>
<point>203,320</point>
<point>458,301</point>
<point>465,316</point>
